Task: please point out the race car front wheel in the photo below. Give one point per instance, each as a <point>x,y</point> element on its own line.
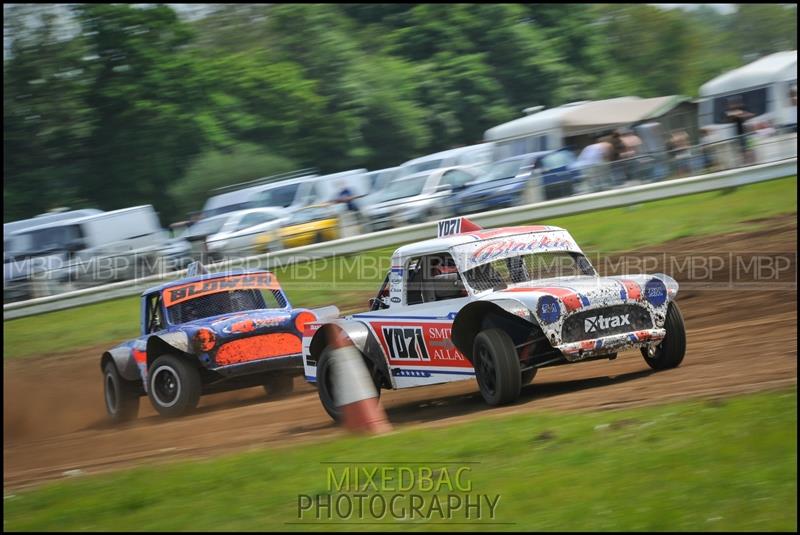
<point>122,397</point>
<point>325,386</point>
<point>497,367</point>
<point>173,385</point>
<point>669,353</point>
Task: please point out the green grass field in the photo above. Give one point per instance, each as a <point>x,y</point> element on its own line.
<point>603,231</point>
<point>728,464</point>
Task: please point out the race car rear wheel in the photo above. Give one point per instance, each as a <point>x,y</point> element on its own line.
<point>325,386</point>
<point>278,386</point>
<point>669,353</point>
<point>174,385</point>
<point>497,367</point>
<point>121,396</point>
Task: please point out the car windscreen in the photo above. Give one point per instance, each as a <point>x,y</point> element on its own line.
<point>206,227</point>
<point>222,303</point>
<point>47,239</point>
<point>500,170</point>
<point>281,196</point>
<point>560,158</point>
<point>405,187</point>
<point>414,168</point>
<point>222,295</point>
<point>509,271</point>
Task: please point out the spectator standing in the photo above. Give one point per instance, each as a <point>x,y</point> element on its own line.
<point>791,122</point>
<point>617,155</point>
<point>738,115</point>
<point>632,144</point>
<point>706,150</point>
<point>593,162</point>
<point>350,218</point>
<point>680,152</point>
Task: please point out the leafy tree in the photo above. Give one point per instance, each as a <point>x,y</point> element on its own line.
<point>145,90</point>
<point>46,121</point>
<point>113,105</point>
<point>761,29</point>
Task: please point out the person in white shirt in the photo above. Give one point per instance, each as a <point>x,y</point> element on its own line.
<point>593,163</point>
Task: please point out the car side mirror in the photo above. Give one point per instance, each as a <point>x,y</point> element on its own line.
<point>442,187</point>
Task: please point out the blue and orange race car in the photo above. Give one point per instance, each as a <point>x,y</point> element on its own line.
<point>205,334</point>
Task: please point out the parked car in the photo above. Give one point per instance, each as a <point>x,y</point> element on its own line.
<point>240,233</point>
<point>533,177</point>
<point>312,224</point>
<point>471,156</point>
<point>376,182</point>
<point>197,234</point>
<point>202,334</point>
<point>497,305</point>
<point>16,282</point>
<point>416,198</point>
<point>243,195</point>
<point>88,250</point>
<point>176,253</point>
<point>294,194</point>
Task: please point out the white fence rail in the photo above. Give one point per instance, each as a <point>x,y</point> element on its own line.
<point>356,244</point>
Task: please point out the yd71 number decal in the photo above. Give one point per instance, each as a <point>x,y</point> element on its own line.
<point>405,343</point>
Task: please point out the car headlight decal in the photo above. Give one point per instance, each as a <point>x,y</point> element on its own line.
<point>655,292</point>
<point>205,339</point>
<point>548,309</point>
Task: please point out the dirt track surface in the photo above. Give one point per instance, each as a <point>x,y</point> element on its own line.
<point>738,340</point>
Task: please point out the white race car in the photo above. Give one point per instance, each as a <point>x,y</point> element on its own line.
<point>498,305</point>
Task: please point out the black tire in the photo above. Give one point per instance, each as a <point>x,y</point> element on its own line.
<point>497,367</point>
<point>669,353</point>
<point>174,385</point>
<point>279,386</point>
<point>528,375</point>
<point>319,238</point>
<point>325,385</point>
<point>121,396</point>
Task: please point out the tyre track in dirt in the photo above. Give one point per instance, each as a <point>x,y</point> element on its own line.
<point>739,341</point>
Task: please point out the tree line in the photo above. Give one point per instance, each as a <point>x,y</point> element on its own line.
<point>113,105</point>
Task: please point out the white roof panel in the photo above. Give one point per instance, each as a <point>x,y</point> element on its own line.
<point>778,67</point>
<point>583,117</point>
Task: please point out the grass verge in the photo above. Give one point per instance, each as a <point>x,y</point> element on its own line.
<point>334,282</point>
<point>728,464</point>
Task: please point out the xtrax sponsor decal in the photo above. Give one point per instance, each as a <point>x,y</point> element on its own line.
<point>425,343</point>
<point>594,323</point>
<point>179,294</point>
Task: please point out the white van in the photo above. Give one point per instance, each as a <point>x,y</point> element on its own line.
<point>301,192</point>
<point>242,196</point>
<point>471,156</point>
<point>92,249</point>
<point>763,87</point>
<point>290,193</point>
